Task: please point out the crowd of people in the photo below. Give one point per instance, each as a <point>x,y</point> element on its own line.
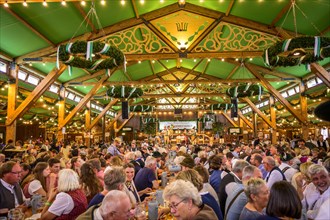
<point>257,180</point>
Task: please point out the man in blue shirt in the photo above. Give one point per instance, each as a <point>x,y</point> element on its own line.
<point>113,149</point>
<point>146,177</point>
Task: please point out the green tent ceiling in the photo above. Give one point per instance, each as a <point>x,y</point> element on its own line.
<point>148,35</point>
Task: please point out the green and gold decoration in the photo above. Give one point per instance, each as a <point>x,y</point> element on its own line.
<point>297,51</point>
<point>90,55</point>
<point>245,91</point>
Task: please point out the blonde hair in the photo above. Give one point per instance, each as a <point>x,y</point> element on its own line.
<point>191,176</point>
<point>183,190</point>
<point>304,169</point>
<point>253,186</point>
<point>68,180</point>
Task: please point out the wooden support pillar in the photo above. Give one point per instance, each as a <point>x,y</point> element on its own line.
<point>87,124</point>
<point>303,109</point>
<point>35,94</point>
<point>273,129</point>
<point>255,124</point>
<point>103,127</point>
<point>11,105</point>
<point>115,128</point>
<point>61,113</point>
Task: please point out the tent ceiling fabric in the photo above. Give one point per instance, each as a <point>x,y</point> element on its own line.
<point>194,46</point>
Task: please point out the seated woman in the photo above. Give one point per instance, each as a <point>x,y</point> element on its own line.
<point>91,185</point>
<point>185,202</point>
<point>289,206</point>
<point>35,183</point>
<point>76,163</point>
<point>68,201</point>
<point>257,194</point>
<point>193,177</point>
<point>130,188</point>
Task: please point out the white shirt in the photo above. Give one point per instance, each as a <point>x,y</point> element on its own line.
<point>63,204</point>
<point>324,210</point>
<point>313,200</point>
<point>34,186</point>
<point>289,172</point>
<point>274,177</point>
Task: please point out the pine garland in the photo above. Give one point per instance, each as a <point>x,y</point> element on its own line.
<point>272,54</point>
<point>122,92</point>
<point>114,56</point>
<point>244,91</point>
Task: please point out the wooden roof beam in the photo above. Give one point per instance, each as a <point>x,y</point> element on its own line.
<point>35,94</point>
<point>101,114</point>
<point>136,11</point>
<point>160,35</point>
<point>125,122</point>
<point>81,79</point>
<point>113,121</point>
<point>180,95</point>
<point>120,26</point>
<point>77,5</point>
<point>82,102</point>
<point>232,72</point>
<point>284,10</point>
<point>229,119</point>
<point>320,72</point>
<point>246,121</point>
<point>204,34</point>
<point>262,115</point>
<point>170,72</point>
<point>231,4</point>
<point>276,93</point>
<point>194,81</point>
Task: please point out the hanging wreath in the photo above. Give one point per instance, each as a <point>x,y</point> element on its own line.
<point>245,91</point>
<point>90,55</point>
<point>296,51</point>
<point>221,106</point>
<point>141,108</point>
<point>122,92</point>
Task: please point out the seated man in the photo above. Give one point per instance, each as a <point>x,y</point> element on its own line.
<point>11,195</point>
<point>317,192</point>
<point>114,179</point>
<point>146,177</point>
<point>115,205</point>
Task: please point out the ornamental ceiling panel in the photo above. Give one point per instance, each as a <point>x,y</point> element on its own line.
<point>138,40</point>
<point>182,27</point>
<point>229,37</point>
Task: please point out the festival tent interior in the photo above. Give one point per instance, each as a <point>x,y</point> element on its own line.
<point>126,66</point>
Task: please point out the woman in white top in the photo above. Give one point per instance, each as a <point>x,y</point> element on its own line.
<point>35,183</point>
<point>68,201</point>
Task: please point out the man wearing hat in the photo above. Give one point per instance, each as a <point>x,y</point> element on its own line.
<point>187,163</point>
<point>286,160</point>
<point>113,149</point>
